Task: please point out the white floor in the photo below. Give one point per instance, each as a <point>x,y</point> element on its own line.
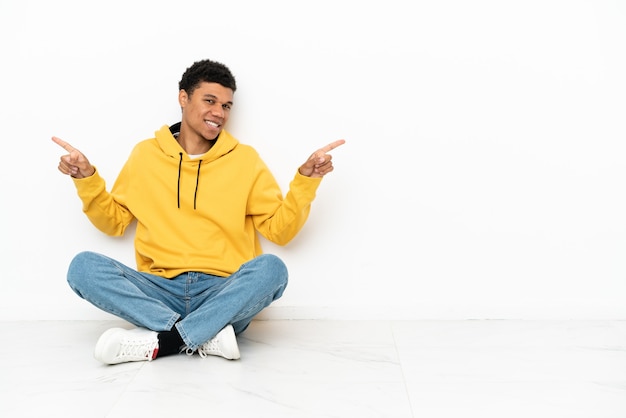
<point>347,369</point>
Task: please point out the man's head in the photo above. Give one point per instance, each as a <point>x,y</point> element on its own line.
<point>205,97</point>
<point>206,71</point>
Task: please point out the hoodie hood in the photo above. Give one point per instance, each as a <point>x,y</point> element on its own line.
<point>166,138</point>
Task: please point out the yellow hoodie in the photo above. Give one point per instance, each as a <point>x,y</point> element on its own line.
<point>197,214</point>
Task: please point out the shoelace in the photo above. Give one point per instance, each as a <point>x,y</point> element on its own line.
<point>204,350</point>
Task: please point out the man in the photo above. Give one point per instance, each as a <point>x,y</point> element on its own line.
<point>199,197</point>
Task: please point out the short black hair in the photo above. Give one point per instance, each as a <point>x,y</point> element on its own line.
<point>206,71</point>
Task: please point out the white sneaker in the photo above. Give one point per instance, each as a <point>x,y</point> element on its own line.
<point>119,345</point>
<point>224,344</point>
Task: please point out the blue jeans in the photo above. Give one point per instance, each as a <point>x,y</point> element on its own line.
<point>204,303</point>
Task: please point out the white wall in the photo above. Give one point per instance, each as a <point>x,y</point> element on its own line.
<point>483,174</point>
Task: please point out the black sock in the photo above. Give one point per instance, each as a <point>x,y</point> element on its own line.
<point>170,342</point>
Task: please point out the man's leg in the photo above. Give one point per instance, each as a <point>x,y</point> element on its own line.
<point>142,299</point>
<point>234,300</point>
<point>147,301</point>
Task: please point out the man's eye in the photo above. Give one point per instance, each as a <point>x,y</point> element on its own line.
<point>227,107</point>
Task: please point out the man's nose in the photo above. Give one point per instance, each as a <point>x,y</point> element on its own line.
<point>218,111</point>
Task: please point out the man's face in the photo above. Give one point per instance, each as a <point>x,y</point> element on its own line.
<point>207,109</point>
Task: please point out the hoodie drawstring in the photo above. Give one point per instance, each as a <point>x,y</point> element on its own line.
<point>180,163</point>
<point>195,194</point>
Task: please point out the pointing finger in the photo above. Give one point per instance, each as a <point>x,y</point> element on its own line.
<point>67,147</point>
<point>333,145</point>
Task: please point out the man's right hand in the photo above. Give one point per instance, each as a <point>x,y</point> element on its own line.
<point>74,164</point>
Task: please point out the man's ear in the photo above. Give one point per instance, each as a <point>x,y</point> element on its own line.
<point>183,98</point>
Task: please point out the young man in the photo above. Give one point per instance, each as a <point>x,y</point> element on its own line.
<point>199,197</point>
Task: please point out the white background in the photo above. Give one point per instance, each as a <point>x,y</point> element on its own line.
<point>483,174</point>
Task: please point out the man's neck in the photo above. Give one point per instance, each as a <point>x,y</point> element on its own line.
<point>194,145</point>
